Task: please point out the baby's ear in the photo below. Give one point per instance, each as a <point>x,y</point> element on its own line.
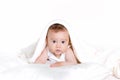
<point>69,46</point>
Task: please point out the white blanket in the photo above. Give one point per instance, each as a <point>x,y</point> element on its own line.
<point>87,71</point>
<point>107,60</point>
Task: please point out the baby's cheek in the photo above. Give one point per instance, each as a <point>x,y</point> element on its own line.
<point>65,50</point>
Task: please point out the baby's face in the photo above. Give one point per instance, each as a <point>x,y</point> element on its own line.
<point>57,42</point>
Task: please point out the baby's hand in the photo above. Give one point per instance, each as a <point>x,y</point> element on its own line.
<point>57,64</point>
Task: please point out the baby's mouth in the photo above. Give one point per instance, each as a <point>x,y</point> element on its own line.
<point>58,51</point>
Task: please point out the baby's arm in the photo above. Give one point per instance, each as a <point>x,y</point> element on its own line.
<point>69,57</point>
<point>43,57</point>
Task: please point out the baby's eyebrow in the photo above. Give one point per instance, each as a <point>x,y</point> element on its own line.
<point>64,40</point>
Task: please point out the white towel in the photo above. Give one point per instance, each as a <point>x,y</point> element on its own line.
<point>81,50</point>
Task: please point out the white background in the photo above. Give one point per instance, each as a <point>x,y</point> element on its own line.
<point>97,22</point>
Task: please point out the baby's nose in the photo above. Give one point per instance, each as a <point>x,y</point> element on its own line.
<point>58,45</point>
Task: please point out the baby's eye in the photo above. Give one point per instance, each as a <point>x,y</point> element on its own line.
<point>63,42</point>
<point>54,41</point>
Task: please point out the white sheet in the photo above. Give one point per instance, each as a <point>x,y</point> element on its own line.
<point>87,71</point>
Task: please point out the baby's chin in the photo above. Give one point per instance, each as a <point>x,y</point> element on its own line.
<point>58,53</point>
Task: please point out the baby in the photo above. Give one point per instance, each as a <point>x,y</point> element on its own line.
<point>58,50</point>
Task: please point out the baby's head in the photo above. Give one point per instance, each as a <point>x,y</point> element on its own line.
<point>57,39</point>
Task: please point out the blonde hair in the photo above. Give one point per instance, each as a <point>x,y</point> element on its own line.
<point>57,27</point>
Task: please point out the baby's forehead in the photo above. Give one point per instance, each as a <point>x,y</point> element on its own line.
<point>58,32</point>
